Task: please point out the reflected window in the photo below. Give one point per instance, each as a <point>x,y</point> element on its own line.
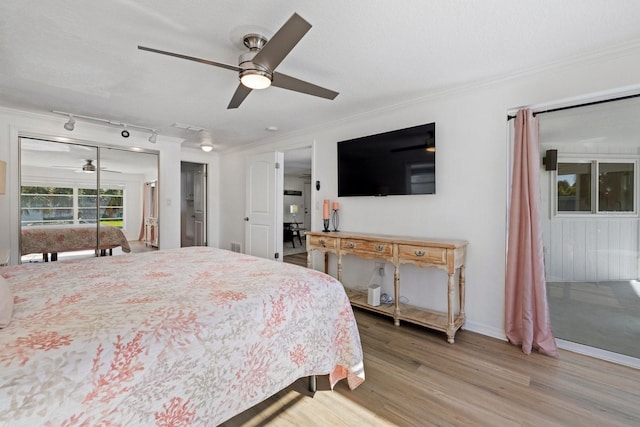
<point>111,206</point>
<point>574,187</point>
<point>612,192</point>
<point>46,205</point>
<point>615,187</point>
<point>71,205</point>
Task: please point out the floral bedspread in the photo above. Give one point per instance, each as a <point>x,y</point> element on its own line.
<point>70,237</point>
<point>178,337</point>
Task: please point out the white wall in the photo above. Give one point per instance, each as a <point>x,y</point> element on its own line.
<point>471,167</point>
<point>14,123</point>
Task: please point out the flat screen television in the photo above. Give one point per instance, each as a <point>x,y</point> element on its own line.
<point>398,162</point>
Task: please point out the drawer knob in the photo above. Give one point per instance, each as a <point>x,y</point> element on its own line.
<point>351,245</point>
<point>420,253</point>
<point>322,242</point>
<point>379,248</point>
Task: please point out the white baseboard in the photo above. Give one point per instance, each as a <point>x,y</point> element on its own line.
<point>620,359</point>
<point>485,330</point>
<point>598,353</point>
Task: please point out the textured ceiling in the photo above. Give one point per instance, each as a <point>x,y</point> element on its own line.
<point>82,57</point>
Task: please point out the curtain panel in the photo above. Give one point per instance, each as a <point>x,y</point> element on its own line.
<point>527,321</point>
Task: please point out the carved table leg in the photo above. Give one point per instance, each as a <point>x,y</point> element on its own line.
<point>396,295</point>
<point>462,291</point>
<point>451,329</point>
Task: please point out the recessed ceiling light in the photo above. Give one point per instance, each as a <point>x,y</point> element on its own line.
<point>272,128</point>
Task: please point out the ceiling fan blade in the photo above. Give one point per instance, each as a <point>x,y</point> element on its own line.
<point>191,58</point>
<point>282,42</point>
<point>241,93</point>
<point>287,82</point>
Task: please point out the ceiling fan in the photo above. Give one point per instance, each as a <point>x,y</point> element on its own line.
<point>88,167</point>
<point>256,68</point>
<point>428,145</point>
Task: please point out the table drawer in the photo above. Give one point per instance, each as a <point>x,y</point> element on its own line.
<point>422,254</point>
<point>322,242</point>
<point>367,247</point>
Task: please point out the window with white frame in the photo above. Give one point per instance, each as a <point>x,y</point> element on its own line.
<point>596,187</point>
<point>41,205</point>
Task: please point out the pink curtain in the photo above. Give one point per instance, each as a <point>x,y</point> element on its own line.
<point>526,310</point>
<point>145,203</point>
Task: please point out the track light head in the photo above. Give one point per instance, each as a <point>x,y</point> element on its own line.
<point>70,124</point>
<point>152,138</point>
<point>125,133</point>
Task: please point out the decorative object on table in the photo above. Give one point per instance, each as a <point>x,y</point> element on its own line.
<point>335,218</point>
<point>325,215</point>
<point>293,209</point>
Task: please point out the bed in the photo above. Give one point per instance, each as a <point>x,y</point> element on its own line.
<point>52,239</point>
<point>189,336</point>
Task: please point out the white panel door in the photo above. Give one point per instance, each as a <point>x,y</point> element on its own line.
<point>264,200</point>
<point>200,206</point>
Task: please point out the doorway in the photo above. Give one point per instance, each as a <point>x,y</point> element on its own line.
<point>591,227</point>
<point>193,204</point>
<point>296,204</point>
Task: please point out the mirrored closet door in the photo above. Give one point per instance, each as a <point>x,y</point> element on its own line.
<point>79,200</point>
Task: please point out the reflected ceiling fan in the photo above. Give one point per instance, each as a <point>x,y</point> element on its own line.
<point>256,68</point>
<point>88,167</point>
<point>428,145</point>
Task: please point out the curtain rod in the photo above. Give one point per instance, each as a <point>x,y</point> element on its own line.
<point>586,104</point>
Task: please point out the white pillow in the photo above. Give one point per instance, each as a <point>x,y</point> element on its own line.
<point>6,303</point>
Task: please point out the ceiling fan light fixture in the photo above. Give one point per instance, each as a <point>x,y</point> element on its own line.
<point>255,79</point>
<point>206,147</point>
<point>89,167</point>
<point>70,124</point>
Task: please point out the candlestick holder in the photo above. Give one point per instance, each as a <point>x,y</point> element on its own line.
<point>326,225</point>
<point>335,218</point>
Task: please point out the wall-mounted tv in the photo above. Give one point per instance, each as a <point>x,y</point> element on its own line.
<point>398,162</point>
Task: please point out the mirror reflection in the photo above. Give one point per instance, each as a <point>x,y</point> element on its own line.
<point>79,200</point>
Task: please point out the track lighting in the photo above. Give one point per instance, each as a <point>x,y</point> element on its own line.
<point>70,124</point>
<point>206,147</point>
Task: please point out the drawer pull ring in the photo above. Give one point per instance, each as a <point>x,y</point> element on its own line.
<point>379,248</point>
<point>351,245</point>
<point>420,253</point>
<point>322,242</point>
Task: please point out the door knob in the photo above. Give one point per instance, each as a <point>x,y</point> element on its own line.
<point>246,218</point>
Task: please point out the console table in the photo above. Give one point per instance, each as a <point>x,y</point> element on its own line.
<point>445,254</point>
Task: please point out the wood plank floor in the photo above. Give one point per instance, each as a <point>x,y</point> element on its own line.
<point>415,378</point>
<point>297,259</point>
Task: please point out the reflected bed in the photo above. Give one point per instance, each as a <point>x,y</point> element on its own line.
<point>52,239</point>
